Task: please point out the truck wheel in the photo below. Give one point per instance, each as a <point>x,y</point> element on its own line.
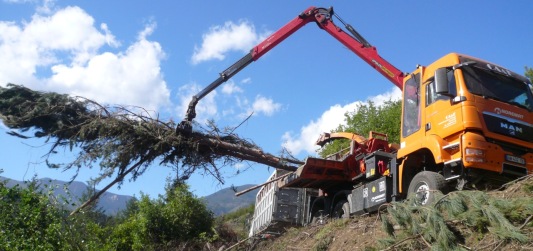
<point>342,210</point>
<point>424,185</point>
<point>318,218</point>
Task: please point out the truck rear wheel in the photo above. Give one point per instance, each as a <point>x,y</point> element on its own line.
<point>424,185</point>
<point>342,210</point>
<point>318,218</point>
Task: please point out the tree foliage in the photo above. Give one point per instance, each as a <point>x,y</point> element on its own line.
<point>112,137</point>
<point>123,142</point>
<point>529,73</point>
<point>32,219</point>
<point>383,119</point>
<point>26,220</point>
<point>175,219</point>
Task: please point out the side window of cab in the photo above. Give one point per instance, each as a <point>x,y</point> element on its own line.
<point>431,93</point>
<point>411,106</point>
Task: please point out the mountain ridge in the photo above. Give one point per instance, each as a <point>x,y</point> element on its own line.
<point>220,202</point>
<point>224,201</point>
<point>110,203</point>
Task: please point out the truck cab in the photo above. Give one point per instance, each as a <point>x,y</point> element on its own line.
<point>467,119</point>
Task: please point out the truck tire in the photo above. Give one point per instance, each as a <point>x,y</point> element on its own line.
<point>342,210</point>
<point>424,185</point>
<point>318,218</point>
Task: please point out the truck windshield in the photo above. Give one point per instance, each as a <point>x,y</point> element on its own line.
<point>498,86</point>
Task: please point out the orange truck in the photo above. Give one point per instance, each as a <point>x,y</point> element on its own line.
<point>465,122</point>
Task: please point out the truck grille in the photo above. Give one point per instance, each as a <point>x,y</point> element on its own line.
<point>514,171</point>
<point>508,126</point>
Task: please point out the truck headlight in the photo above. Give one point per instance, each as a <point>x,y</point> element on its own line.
<point>474,155</point>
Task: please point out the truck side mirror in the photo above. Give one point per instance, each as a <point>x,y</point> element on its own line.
<point>441,82</point>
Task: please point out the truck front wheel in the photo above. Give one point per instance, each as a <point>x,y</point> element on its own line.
<point>424,185</point>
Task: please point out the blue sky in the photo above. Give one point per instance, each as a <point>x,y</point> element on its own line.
<point>157,54</point>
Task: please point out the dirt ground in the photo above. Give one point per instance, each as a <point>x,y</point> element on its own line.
<point>360,233</point>
<point>365,232</point>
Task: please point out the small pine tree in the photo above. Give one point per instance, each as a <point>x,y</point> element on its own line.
<point>432,224</point>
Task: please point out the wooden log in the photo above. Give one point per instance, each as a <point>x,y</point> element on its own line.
<point>247,153</point>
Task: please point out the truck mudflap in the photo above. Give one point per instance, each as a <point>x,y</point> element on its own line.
<point>369,197</point>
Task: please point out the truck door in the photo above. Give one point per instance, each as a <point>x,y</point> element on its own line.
<point>411,133</point>
<point>442,118</point>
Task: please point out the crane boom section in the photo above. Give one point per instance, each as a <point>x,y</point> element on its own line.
<point>323,18</point>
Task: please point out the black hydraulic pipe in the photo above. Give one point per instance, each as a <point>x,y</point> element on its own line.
<point>354,33</point>
<point>226,74</point>
<point>185,125</point>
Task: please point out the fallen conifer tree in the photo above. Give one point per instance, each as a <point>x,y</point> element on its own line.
<point>123,142</point>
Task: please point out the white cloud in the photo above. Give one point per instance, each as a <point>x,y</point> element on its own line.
<point>70,29</point>
<point>4,127</point>
<point>305,140</point>
<point>246,81</point>
<point>46,6</point>
<point>230,87</point>
<point>62,52</point>
<point>230,37</point>
<point>241,165</point>
<point>263,105</point>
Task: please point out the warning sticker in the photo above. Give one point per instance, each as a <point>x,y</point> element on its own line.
<point>382,186</point>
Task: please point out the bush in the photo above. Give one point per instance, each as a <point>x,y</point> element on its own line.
<point>30,220</point>
<point>176,219</point>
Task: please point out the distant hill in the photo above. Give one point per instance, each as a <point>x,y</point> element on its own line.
<point>221,202</point>
<point>225,201</point>
<point>111,203</point>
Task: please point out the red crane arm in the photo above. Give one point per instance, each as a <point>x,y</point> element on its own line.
<point>283,33</point>
<point>323,18</point>
<point>355,42</point>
